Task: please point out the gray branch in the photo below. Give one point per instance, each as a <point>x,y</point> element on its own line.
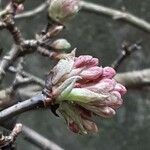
<point>38,140</point>
<point>33,12</point>
<point>116,14</point>
<point>19,108</point>
<point>134,79</point>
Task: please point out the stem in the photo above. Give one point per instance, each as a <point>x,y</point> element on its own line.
<point>39,140</point>
<point>116,15</point>
<point>32,103</point>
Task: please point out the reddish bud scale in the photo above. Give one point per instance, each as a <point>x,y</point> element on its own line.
<point>73,127</point>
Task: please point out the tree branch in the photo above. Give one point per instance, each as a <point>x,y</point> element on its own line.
<point>32,12</point>
<point>31,136</point>
<point>30,104</point>
<point>126,51</point>
<point>38,140</point>
<point>117,15</point>
<point>7,142</point>
<point>135,79</point>
<point>26,74</point>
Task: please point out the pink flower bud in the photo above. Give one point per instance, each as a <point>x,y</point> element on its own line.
<point>63,10</point>
<point>103,86</point>
<point>108,72</point>
<point>120,88</point>
<point>103,111</point>
<point>61,44</point>
<point>85,61</point>
<point>90,126</point>
<point>106,112</point>
<point>92,73</point>
<point>115,100</point>
<point>82,89</point>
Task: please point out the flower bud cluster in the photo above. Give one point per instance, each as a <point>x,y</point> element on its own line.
<point>83,89</point>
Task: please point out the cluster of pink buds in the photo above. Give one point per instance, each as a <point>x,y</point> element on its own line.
<point>84,89</point>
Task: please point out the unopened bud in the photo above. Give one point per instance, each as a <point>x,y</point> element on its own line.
<point>61,44</point>
<point>63,10</point>
<point>108,72</point>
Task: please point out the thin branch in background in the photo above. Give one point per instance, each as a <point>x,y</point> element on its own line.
<point>26,74</point>
<point>17,80</point>
<point>134,79</point>
<point>38,140</point>
<point>32,12</point>
<point>116,14</point>
<point>126,51</point>
<point>0,4</point>
<point>35,138</point>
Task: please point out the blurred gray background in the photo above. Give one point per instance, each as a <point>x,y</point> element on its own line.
<point>102,37</point>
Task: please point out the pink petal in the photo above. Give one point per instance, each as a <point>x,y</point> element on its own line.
<point>85,61</point>
<point>92,73</point>
<point>108,72</point>
<point>104,86</point>
<point>120,88</point>
<point>106,112</point>
<point>116,100</point>
<point>90,126</point>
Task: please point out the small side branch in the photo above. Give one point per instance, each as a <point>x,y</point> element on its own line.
<point>26,74</point>
<point>7,142</point>
<point>126,51</point>
<point>33,12</point>
<point>8,60</point>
